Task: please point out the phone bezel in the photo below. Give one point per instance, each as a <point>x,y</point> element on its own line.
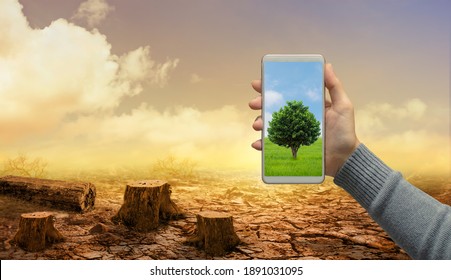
<point>293,179</point>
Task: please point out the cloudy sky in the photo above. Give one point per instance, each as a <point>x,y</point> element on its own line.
<point>282,84</point>
<point>100,83</point>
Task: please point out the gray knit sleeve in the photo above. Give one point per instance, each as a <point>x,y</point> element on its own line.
<point>416,222</point>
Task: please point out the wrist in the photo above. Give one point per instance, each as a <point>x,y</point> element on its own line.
<point>342,157</point>
<point>363,175</point>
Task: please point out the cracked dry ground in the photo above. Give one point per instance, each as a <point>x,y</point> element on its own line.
<point>272,221</point>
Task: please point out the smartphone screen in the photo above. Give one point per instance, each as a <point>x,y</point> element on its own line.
<point>293,118</point>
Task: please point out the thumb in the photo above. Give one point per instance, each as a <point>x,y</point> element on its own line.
<point>333,84</point>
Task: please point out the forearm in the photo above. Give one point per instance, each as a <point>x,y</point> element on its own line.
<point>414,220</point>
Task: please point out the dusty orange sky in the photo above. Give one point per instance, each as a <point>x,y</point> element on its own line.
<point>109,83</point>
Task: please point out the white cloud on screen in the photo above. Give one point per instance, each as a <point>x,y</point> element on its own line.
<point>273,98</point>
<point>313,95</point>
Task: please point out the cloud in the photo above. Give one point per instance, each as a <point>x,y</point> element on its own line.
<point>378,118</point>
<point>146,133</point>
<point>63,70</point>
<point>137,66</point>
<point>404,136</point>
<point>93,12</point>
<point>273,98</point>
<point>60,87</point>
<point>195,78</point>
<point>414,151</point>
<point>314,95</point>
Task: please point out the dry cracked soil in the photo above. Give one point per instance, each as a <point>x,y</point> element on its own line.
<point>272,221</point>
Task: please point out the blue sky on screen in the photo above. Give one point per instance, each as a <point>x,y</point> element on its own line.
<point>286,81</point>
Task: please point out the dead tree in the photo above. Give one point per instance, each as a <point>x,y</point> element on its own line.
<point>145,202</point>
<point>73,196</point>
<point>168,209</point>
<point>215,233</point>
<point>36,231</point>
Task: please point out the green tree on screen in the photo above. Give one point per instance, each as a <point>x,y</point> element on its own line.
<point>293,126</point>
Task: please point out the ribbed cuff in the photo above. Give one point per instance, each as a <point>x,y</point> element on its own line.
<point>363,175</point>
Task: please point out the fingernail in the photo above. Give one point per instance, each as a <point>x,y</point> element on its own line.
<point>256,119</point>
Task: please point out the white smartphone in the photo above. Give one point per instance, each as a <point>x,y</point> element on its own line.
<point>293,119</point>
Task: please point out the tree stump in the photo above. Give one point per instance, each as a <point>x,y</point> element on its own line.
<point>168,209</point>
<point>36,231</point>
<point>73,196</point>
<point>144,203</point>
<point>215,233</point>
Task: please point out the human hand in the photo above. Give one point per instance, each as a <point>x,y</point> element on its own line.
<point>341,139</point>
